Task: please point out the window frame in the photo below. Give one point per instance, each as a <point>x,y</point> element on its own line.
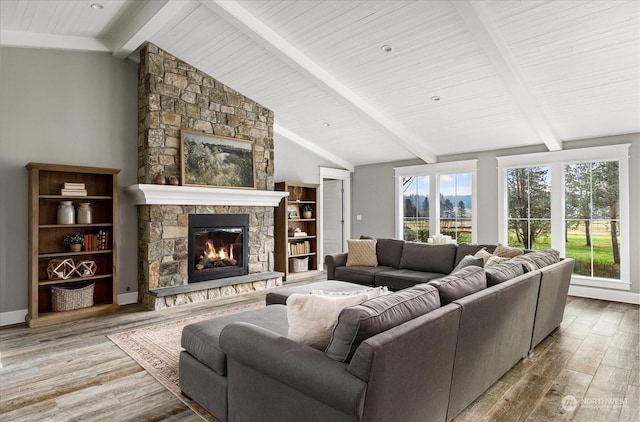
<point>433,172</point>
<point>557,160</point>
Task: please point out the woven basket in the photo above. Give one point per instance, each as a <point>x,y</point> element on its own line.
<point>299,265</point>
<point>68,299</point>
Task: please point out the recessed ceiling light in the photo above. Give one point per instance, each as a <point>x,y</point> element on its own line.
<point>326,124</point>
<point>386,48</point>
<point>435,98</point>
<point>97,6</point>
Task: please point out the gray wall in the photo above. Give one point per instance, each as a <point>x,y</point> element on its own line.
<point>374,194</point>
<point>63,108</point>
<point>296,164</point>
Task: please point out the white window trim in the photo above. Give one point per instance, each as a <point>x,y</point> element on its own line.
<point>556,160</point>
<point>434,171</point>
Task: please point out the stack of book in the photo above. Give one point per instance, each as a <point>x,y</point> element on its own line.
<point>300,248</point>
<point>97,242</point>
<point>73,189</point>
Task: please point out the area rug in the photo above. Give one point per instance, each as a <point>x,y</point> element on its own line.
<point>157,348</point>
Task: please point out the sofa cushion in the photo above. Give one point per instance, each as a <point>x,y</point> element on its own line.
<point>358,323</point>
<point>312,317</point>
<point>401,279</point>
<point>468,261</point>
<point>201,339</point>
<point>360,275</point>
<point>465,249</point>
<point>507,251</point>
<point>538,259</point>
<point>389,252</point>
<point>463,283</point>
<point>361,253</point>
<point>499,273</point>
<point>428,258</point>
<point>495,260</point>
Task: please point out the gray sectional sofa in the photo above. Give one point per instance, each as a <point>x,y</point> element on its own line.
<point>422,353</point>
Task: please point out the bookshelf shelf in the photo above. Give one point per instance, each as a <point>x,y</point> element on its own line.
<point>289,218</point>
<point>45,238</point>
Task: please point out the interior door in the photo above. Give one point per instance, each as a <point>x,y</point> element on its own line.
<point>332,217</point>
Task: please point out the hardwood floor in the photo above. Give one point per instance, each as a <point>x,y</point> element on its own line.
<point>72,371</point>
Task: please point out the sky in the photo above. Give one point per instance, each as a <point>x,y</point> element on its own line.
<point>447,185</point>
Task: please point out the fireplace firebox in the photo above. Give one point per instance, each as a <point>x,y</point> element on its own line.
<point>217,246</point>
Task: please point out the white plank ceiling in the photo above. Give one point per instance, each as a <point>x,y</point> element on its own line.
<point>508,73</point>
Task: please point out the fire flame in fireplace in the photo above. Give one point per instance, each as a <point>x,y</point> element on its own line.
<point>212,254</point>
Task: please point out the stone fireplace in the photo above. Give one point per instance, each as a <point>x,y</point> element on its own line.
<point>172,267</point>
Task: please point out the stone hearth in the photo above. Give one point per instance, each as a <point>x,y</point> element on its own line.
<point>173,95</point>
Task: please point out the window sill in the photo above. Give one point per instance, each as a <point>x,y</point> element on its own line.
<point>602,283</point>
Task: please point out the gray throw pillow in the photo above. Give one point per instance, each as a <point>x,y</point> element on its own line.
<point>463,283</point>
<point>500,273</point>
<point>538,259</point>
<point>358,323</point>
<point>468,261</point>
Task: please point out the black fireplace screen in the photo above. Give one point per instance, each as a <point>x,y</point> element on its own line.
<point>217,246</point>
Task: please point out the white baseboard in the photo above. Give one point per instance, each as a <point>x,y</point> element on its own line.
<point>18,317</point>
<point>604,294</point>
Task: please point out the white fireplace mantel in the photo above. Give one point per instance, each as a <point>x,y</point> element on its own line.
<point>147,194</point>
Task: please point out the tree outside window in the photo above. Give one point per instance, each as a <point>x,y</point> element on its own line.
<point>415,191</point>
<point>456,202</point>
<point>529,207</point>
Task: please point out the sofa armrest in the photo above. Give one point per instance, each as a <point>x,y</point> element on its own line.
<point>295,365</point>
<point>334,260</point>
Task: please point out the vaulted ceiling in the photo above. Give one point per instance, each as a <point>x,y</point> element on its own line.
<point>459,76</point>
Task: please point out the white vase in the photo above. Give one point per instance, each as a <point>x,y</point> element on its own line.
<point>66,213</point>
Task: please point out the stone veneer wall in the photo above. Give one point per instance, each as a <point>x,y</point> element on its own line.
<point>173,95</point>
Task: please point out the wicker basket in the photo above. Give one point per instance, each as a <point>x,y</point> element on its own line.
<point>68,299</point>
<point>299,265</point>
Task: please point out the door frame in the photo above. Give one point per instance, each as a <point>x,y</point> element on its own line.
<point>345,176</point>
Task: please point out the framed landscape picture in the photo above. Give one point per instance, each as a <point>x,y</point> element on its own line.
<point>216,161</point>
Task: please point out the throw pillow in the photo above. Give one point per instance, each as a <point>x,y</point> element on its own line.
<point>362,253</point>
<point>482,253</point>
<point>313,317</point>
<point>463,283</point>
<point>507,252</point>
<point>535,260</point>
<point>495,260</point>
<point>358,323</point>
<point>468,261</point>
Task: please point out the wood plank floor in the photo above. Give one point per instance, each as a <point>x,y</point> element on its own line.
<point>73,372</point>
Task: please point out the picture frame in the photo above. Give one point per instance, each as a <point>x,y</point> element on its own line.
<point>293,211</point>
<point>216,161</point>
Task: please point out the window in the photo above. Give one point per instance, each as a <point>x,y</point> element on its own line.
<point>529,205</point>
<point>575,201</point>
<point>456,204</point>
<point>453,215</point>
<point>592,218</point>
<point>415,194</point>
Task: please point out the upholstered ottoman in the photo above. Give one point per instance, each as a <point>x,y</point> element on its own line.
<point>279,297</point>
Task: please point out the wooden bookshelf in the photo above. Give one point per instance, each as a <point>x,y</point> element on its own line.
<point>290,246</point>
<point>46,239</point>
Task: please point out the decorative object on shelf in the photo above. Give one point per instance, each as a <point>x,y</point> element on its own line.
<point>85,213</point>
<point>173,180</point>
<point>86,268</point>
<point>306,212</point>
<point>74,241</point>
<point>66,213</point>
<point>216,161</point>
<point>73,189</point>
<point>158,179</point>
<point>293,211</point>
<point>60,268</point>
<point>297,193</point>
<point>68,299</point>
